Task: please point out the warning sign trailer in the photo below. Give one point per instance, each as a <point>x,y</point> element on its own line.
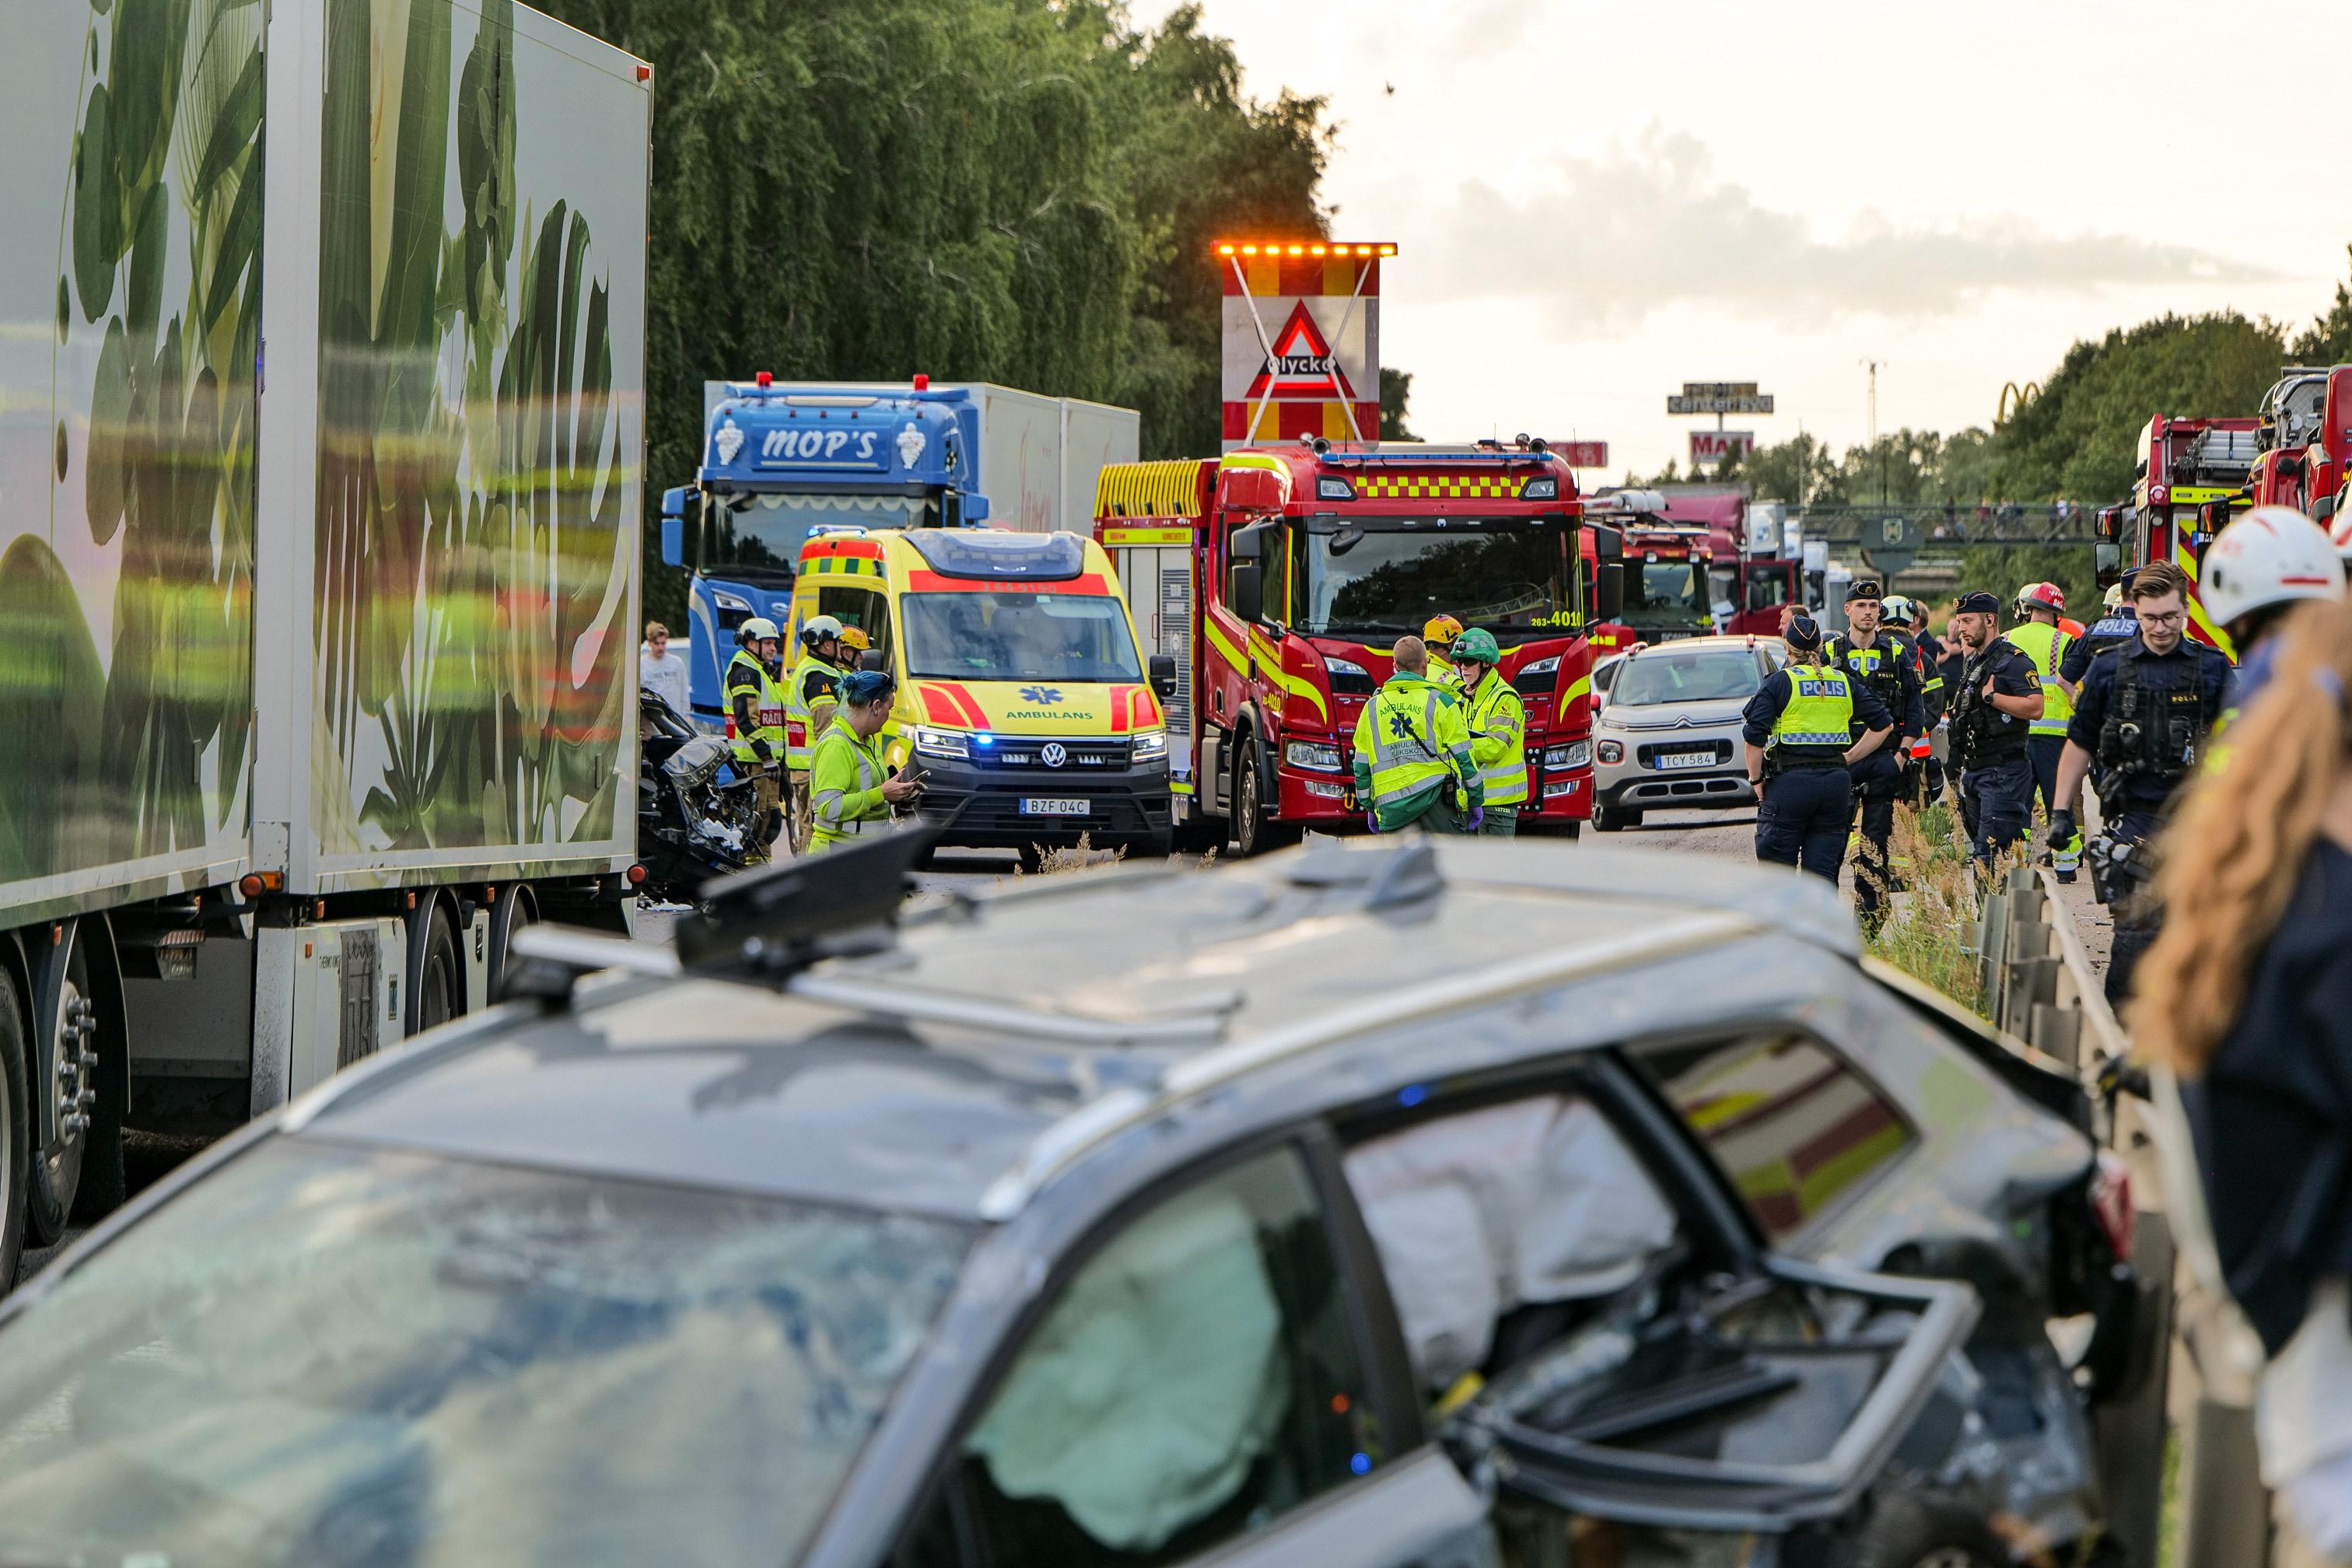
<point>1302,339</point>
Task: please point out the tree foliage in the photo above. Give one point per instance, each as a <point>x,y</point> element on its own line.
<point>1021,191</point>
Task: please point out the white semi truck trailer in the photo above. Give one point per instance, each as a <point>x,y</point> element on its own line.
<point>318,533</point>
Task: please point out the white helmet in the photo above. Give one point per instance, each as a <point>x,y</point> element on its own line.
<point>819,629</point>
<point>2272,555</point>
<point>756,628</point>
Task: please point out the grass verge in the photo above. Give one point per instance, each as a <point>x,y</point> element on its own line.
<point>1932,934</point>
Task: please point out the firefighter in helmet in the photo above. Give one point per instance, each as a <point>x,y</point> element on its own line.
<point>1437,635</point>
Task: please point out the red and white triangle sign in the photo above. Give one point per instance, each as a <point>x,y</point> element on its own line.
<point>1302,364</point>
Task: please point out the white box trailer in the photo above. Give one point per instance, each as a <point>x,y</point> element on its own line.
<point>318,525</point>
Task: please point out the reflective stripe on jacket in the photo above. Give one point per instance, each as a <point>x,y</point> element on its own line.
<point>745,671</point>
<point>805,720</point>
<point>845,782</point>
<point>1819,719</point>
<point>1498,741</point>
<point>2047,647</point>
<point>1411,738</point>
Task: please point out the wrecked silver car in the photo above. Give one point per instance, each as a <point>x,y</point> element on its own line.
<point>1367,1206</point>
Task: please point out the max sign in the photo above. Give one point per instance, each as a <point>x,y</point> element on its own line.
<point>1714,446</point>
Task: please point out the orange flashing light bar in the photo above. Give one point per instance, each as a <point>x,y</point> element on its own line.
<point>1301,247</point>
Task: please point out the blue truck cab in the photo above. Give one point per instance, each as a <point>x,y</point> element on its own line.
<point>778,461</point>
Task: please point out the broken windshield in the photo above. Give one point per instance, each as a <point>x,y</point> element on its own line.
<point>328,1355</point>
<point>1390,576</point>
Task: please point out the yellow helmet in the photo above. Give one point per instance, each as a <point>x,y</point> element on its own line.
<point>855,637</point>
<point>1439,631</point>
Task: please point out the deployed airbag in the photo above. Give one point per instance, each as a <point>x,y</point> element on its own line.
<point>1153,1386</point>
<point>1476,1215</point>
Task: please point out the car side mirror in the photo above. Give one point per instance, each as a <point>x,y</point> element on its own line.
<point>1249,591</point>
<point>673,527</point>
<point>1163,676</point>
<point>2107,563</point>
<point>875,659</point>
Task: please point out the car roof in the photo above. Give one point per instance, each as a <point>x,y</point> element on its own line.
<point>1745,640</point>
<point>967,1067</point>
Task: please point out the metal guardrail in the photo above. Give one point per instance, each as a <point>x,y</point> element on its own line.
<point>2039,985</point>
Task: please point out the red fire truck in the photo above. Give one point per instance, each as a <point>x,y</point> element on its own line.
<point>1690,553</point>
<point>1279,577</point>
<point>2190,472</point>
<point>2304,441</point>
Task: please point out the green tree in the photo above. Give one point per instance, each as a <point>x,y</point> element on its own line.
<point>2077,439</point>
<point>1396,391</point>
<point>1023,191</point>
<point>2329,340</point>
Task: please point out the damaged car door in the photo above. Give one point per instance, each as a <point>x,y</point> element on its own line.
<point>1604,1347</point>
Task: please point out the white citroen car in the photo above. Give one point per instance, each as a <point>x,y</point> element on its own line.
<point>1667,734</point>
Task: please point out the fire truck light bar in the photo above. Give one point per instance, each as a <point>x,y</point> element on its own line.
<point>1301,247</point>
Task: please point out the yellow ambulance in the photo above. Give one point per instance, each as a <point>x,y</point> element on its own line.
<point>1023,696</point>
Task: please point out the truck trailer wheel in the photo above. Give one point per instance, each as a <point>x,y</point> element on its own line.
<point>63,1072</point>
<point>436,985</point>
<point>16,1130</point>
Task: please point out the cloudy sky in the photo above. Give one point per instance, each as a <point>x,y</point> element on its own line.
<point>1596,201</point>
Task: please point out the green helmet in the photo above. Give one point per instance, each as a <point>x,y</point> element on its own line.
<point>1476,646</point>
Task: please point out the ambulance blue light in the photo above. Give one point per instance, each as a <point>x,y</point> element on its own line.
<point>985,739</point>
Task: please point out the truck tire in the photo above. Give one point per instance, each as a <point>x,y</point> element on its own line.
<point>1254,831</point>
<point>511,914</point>
<point>61,1070</point>
<point>16,1130</point>
<point>436,982</point>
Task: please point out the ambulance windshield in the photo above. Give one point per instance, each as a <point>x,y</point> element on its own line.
<point>974,635</point>
<point>1389,576</point>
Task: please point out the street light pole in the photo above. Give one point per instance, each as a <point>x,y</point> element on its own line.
<point>1872,366</point>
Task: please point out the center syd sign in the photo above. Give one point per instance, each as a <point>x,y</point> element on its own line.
<point>1719,397</point>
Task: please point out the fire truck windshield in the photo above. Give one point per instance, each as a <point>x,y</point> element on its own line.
<point>1392,574</point>
<point>763,541</point>
<point>1667,593</point>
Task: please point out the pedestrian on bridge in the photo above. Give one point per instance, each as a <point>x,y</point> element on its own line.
<point>2247,995</point>
<point>1413,758</point>
<point>1801,734</point>
<point>1994,704</point>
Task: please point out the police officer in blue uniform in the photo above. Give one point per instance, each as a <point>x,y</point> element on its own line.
<point>1806,725</point>
<point>2146,710</point>
<point>1885,664</point>
<point>1994,704</point>
<point>2117,627</point>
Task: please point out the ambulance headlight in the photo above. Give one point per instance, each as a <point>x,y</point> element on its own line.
<point>933,743</point>
<point>1150,747</point>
